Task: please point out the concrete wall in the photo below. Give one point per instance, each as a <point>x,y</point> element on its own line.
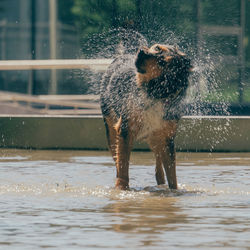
<point>195,133</point>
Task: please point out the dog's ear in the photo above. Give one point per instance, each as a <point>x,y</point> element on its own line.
<point>141,57</point>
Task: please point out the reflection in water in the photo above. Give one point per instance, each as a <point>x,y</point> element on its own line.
<point>151,215</point>
<point>148,217</point>
<point>66,200</point>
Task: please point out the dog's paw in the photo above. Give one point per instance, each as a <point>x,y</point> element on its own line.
<point>121,184</point>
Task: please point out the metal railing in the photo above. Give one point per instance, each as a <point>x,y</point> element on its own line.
<point>66,104</point>
<point>92,64</point>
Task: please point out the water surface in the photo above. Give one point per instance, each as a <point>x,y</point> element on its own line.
<point>66,200</point>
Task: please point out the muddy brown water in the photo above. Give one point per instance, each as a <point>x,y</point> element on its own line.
<point>66,200</point>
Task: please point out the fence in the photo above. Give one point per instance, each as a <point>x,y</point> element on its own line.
<point>76,104</point>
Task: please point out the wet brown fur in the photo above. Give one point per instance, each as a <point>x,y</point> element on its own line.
<point>161,140</point>
<point>152,71</point>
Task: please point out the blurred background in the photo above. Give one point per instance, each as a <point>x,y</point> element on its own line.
<point>214,32</point>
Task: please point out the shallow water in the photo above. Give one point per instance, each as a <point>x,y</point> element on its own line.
<point>66,200</point>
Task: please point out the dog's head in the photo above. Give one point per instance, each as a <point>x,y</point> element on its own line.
<point>162,71</point>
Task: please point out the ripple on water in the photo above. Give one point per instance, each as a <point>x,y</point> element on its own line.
<point>13,158</point>
<point>65,189</point>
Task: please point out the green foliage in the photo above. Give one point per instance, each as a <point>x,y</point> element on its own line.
<point>95,16</point>
<point>157,20</point>
<point>178,15</point>
<point>220,12</point>
<point>247,33</point>
<point>64,12</point>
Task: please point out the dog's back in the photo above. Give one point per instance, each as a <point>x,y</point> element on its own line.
<point>118,85</point>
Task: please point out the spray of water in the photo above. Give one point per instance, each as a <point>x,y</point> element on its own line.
<point>203,95</point>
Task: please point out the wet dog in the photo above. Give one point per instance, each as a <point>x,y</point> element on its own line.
<point>141,98</point>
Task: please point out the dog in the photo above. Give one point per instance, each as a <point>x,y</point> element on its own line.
<point>141,99</point>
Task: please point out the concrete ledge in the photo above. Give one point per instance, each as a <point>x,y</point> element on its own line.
<point>195,133</point>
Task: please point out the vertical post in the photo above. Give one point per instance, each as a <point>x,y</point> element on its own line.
<point>241,51</point>
<point>198,50</point>
<point>3,50</point>
<point>31,86</point>
<point>114,13</point>
<point>198,28</point>
<point>3,37</point>
<point>139,15</point>
<point>53,41</point>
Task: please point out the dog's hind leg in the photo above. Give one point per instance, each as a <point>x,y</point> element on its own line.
<point>162,144</point>
<point>123,149</point>
<point>156,147</point>
<point>169,163</point>
<point>111,134</point>
<point>159,172</point>
<point>164,151</point>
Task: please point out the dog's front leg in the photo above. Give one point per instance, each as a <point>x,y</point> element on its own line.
<point>156,145</point>
<point>123,149</point>
<point>169,163</point>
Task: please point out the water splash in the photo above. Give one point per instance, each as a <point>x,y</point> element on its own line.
<point>113,42</point>
<point>65,189</point>
<point>79,191</point>
<point>204,93</point>
<point>204,81</point>
<point>204,96</point>
<point>109,44</point>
